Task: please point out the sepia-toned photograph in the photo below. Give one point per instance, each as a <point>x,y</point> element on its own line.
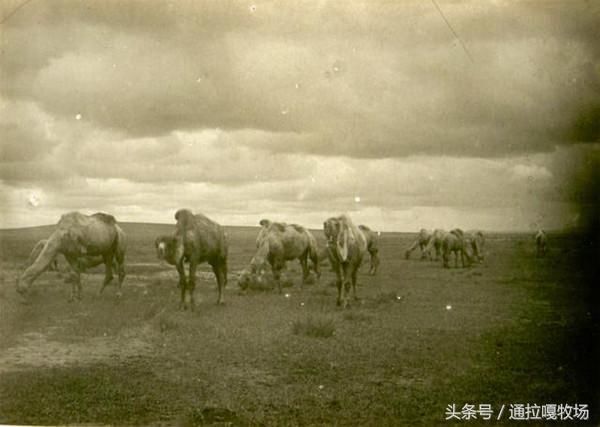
<point>299,213</point>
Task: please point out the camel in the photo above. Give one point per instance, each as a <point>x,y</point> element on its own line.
<point>456,242</point>
<point>541,243</point>
<point>372,247</point>
<point>278,243</point>
<point>421,242</point>
<point>197,239</point>
<point>435,243</point>
<point>76,236</point>
<point>347,245</point>
<point>477,241</point>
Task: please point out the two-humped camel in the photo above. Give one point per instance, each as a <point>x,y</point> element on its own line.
<point>277,243</point>
<point>197,239</point>
<point>77,236</point>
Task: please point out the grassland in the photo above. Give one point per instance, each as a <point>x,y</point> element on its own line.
<point>515,329</point>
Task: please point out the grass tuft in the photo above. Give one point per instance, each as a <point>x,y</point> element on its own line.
<point>317,327</point>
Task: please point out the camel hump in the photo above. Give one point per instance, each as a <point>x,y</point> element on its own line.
<point>185,219</point>
<point>298,228</point>
<point>104,217</point>
<point>277,226</point>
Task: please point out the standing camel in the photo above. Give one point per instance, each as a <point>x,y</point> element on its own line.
<point>455,242</point>
<point>347,245</point>
<point>199,239</point>
<point>78,236</point>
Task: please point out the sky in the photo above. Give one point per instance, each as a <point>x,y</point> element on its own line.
<point>405,115</point>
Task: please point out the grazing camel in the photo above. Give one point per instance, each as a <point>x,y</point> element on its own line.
<point>347,245</point>
<point>277,243</point>
<point>372,247</point>
<point>455,242</point>
<point>197,239</point>
<point>541,243</point>
<point>435,243</point>
<point>421,242</point>
<point>76,236</point>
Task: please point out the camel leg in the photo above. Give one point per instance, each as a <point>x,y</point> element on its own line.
<point>354,280</point>
<point>220,270</point>
<point>346,284</point>
<point>277,277</point>
<point>182,282</point>
<point>121,273</point>
<point>305,271</point>
<point>119,266</point>
<point>338,272</point>
<point>374,263</point>
<point>108,273</point>
<point>192,283</point>
<point>76,285</point>
<point>315,262</point>
<point>277,267</point>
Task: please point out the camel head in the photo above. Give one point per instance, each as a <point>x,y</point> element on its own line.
<point>165,248</point>
<point>22,285</point>
<point>244,280</point>
<point>252,275</point>
<point>332,228</point>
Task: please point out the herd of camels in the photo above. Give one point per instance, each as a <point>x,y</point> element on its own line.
<point>90,240</point>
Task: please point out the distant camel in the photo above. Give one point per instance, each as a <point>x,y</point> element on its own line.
<point>454,242</point>
<point>78,235</point>
<point>421,242</point>
<point>277,243</point>
<point>197,239</point>
<point>347,245</point>
<point>372,247</point>
<point>477,241</point>
<point>541,243</point>
<point>435,243</point>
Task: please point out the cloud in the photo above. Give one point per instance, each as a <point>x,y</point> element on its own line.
<point>298,111</point>
<point>365,81</point>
